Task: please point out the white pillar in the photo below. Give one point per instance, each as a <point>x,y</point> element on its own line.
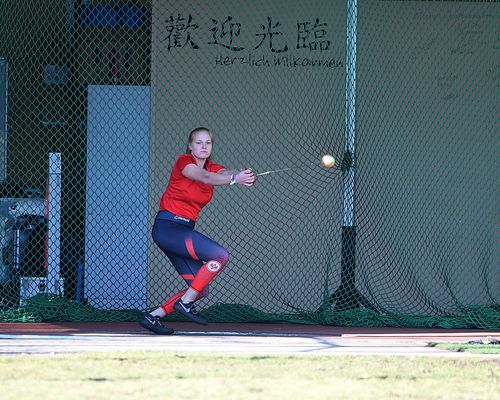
<point>54,225</point>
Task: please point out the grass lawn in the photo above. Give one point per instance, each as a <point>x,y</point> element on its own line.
<point>469,348</point>
<point>169,375</point>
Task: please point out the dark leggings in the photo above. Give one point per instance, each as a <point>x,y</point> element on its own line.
<point>186,248</point>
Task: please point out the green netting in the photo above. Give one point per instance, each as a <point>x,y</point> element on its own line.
<point>402,231</point>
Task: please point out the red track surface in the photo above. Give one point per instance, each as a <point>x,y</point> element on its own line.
<point>75,328</point>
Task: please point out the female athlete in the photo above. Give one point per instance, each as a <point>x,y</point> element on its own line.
<point>196,258</point>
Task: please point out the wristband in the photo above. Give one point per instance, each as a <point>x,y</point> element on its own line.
<point>233,180</point>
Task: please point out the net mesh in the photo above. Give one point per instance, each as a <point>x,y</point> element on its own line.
<point>402,231</point>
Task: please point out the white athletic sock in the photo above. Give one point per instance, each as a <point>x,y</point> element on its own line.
<point>159,312</point>
<point>189,296</point>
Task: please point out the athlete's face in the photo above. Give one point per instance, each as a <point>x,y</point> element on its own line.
<point>201,146</point>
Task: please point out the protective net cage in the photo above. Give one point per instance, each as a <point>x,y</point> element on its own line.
<point>97,99</point>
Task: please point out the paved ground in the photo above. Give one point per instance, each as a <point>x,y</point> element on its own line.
<point>263,339</point>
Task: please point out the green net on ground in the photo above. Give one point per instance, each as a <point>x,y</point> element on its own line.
<point>97,99</point>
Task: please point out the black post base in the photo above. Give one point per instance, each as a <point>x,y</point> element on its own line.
<point>347,297</point>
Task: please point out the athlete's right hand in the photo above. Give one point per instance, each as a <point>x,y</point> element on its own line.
<point>245,177</point>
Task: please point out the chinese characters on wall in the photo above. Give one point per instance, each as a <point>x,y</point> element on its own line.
<point>270,46</point>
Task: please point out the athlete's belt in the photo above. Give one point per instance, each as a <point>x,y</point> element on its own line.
<point>176,218</point>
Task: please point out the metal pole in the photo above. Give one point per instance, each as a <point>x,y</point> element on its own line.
<point>348,263</point>
<point>350,108</point>
<point>346,296</point>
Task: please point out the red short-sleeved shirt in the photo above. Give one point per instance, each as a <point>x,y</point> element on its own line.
<point>183,196</point>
